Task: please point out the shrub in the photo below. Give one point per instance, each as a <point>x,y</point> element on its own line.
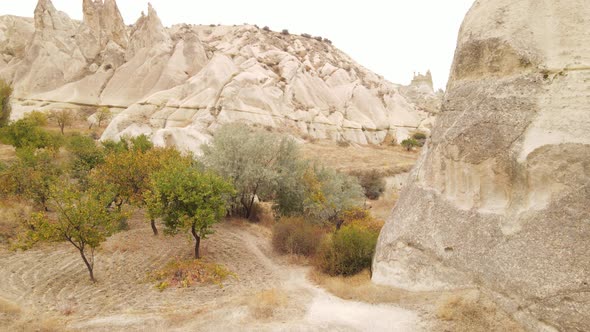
<point>285,32</point>
<point>5,109</point>
<point>25,133</point>
<point>318,38</point>
<point>372,182</point>
<point>306,35</point>
<point>409,144</point>
<point>266,28</point>
<point>293,235</point>
<point>36,118</point>
<point>185,273</point>
<point>348,251</point>
<point>419,136</point>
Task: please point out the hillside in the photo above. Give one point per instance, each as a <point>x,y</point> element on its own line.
<point>178,84</point>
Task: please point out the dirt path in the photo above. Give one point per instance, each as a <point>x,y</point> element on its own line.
<point>269,295</point>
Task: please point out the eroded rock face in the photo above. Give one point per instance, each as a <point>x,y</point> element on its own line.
<point>178,84</point>
<point>500,197</point>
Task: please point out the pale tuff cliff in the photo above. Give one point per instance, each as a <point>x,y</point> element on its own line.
<point>178,84</point>
<point>499,199</point>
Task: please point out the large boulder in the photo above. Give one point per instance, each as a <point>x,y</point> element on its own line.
<point>499,199</point>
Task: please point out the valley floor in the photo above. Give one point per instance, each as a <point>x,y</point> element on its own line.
<point>48,289</point>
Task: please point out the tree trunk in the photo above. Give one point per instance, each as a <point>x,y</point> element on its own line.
<point>153,223</point>
<point>88,265</point>
<point>197,241</point>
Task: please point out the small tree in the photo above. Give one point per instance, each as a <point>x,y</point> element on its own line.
<point>31,176</point>
<point>103,114</point>
<point>130,171</point>
<point>82,220</point>
<point>63,118</point>
<point>85,156</point>
<point>5,108</point>
<point>188,199</point>
<point>372,182</point>
<point>409,144</point>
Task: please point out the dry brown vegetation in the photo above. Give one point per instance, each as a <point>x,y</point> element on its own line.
<point>389,160</point>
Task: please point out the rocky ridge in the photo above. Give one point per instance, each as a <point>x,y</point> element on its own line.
<point>499,198</point>
<point>178,84</point>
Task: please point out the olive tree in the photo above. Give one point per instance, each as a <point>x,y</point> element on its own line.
<point>254,160</point>
<point>328,193</point>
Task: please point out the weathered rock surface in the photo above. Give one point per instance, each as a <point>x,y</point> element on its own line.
<point>178,84</point>
<point>500,197</point>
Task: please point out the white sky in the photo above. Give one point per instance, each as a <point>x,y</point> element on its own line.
<point>393,38</point>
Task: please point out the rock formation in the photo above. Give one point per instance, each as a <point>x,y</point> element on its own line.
<point>499,199</point>
<point>178,84</point>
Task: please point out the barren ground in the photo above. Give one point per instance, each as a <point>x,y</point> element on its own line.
<point>47,289</point>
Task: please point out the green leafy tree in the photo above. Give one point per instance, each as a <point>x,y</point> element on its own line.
<point>5,108</point>
<point>254,160</point>
<point>188,199</point>
<point>31,176</point>
<point>85,156</point>
<point>328,193</point>
<point>81,219</point>
<point>37,118</point>
<point>129,173</point>
<point>26,133</point>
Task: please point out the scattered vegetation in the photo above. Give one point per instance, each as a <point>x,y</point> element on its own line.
<point>285,32</point>
<point>186,273</point>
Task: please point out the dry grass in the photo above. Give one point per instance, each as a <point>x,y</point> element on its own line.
<point>389,160</point>
<point>266,304</point>
<point>471,312</point>
<point>9,308</point>
<point>13,318</point>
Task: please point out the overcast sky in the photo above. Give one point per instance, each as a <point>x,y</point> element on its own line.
<point>393,38</point>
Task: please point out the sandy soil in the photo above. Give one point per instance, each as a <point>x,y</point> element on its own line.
<point>49,287</point>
